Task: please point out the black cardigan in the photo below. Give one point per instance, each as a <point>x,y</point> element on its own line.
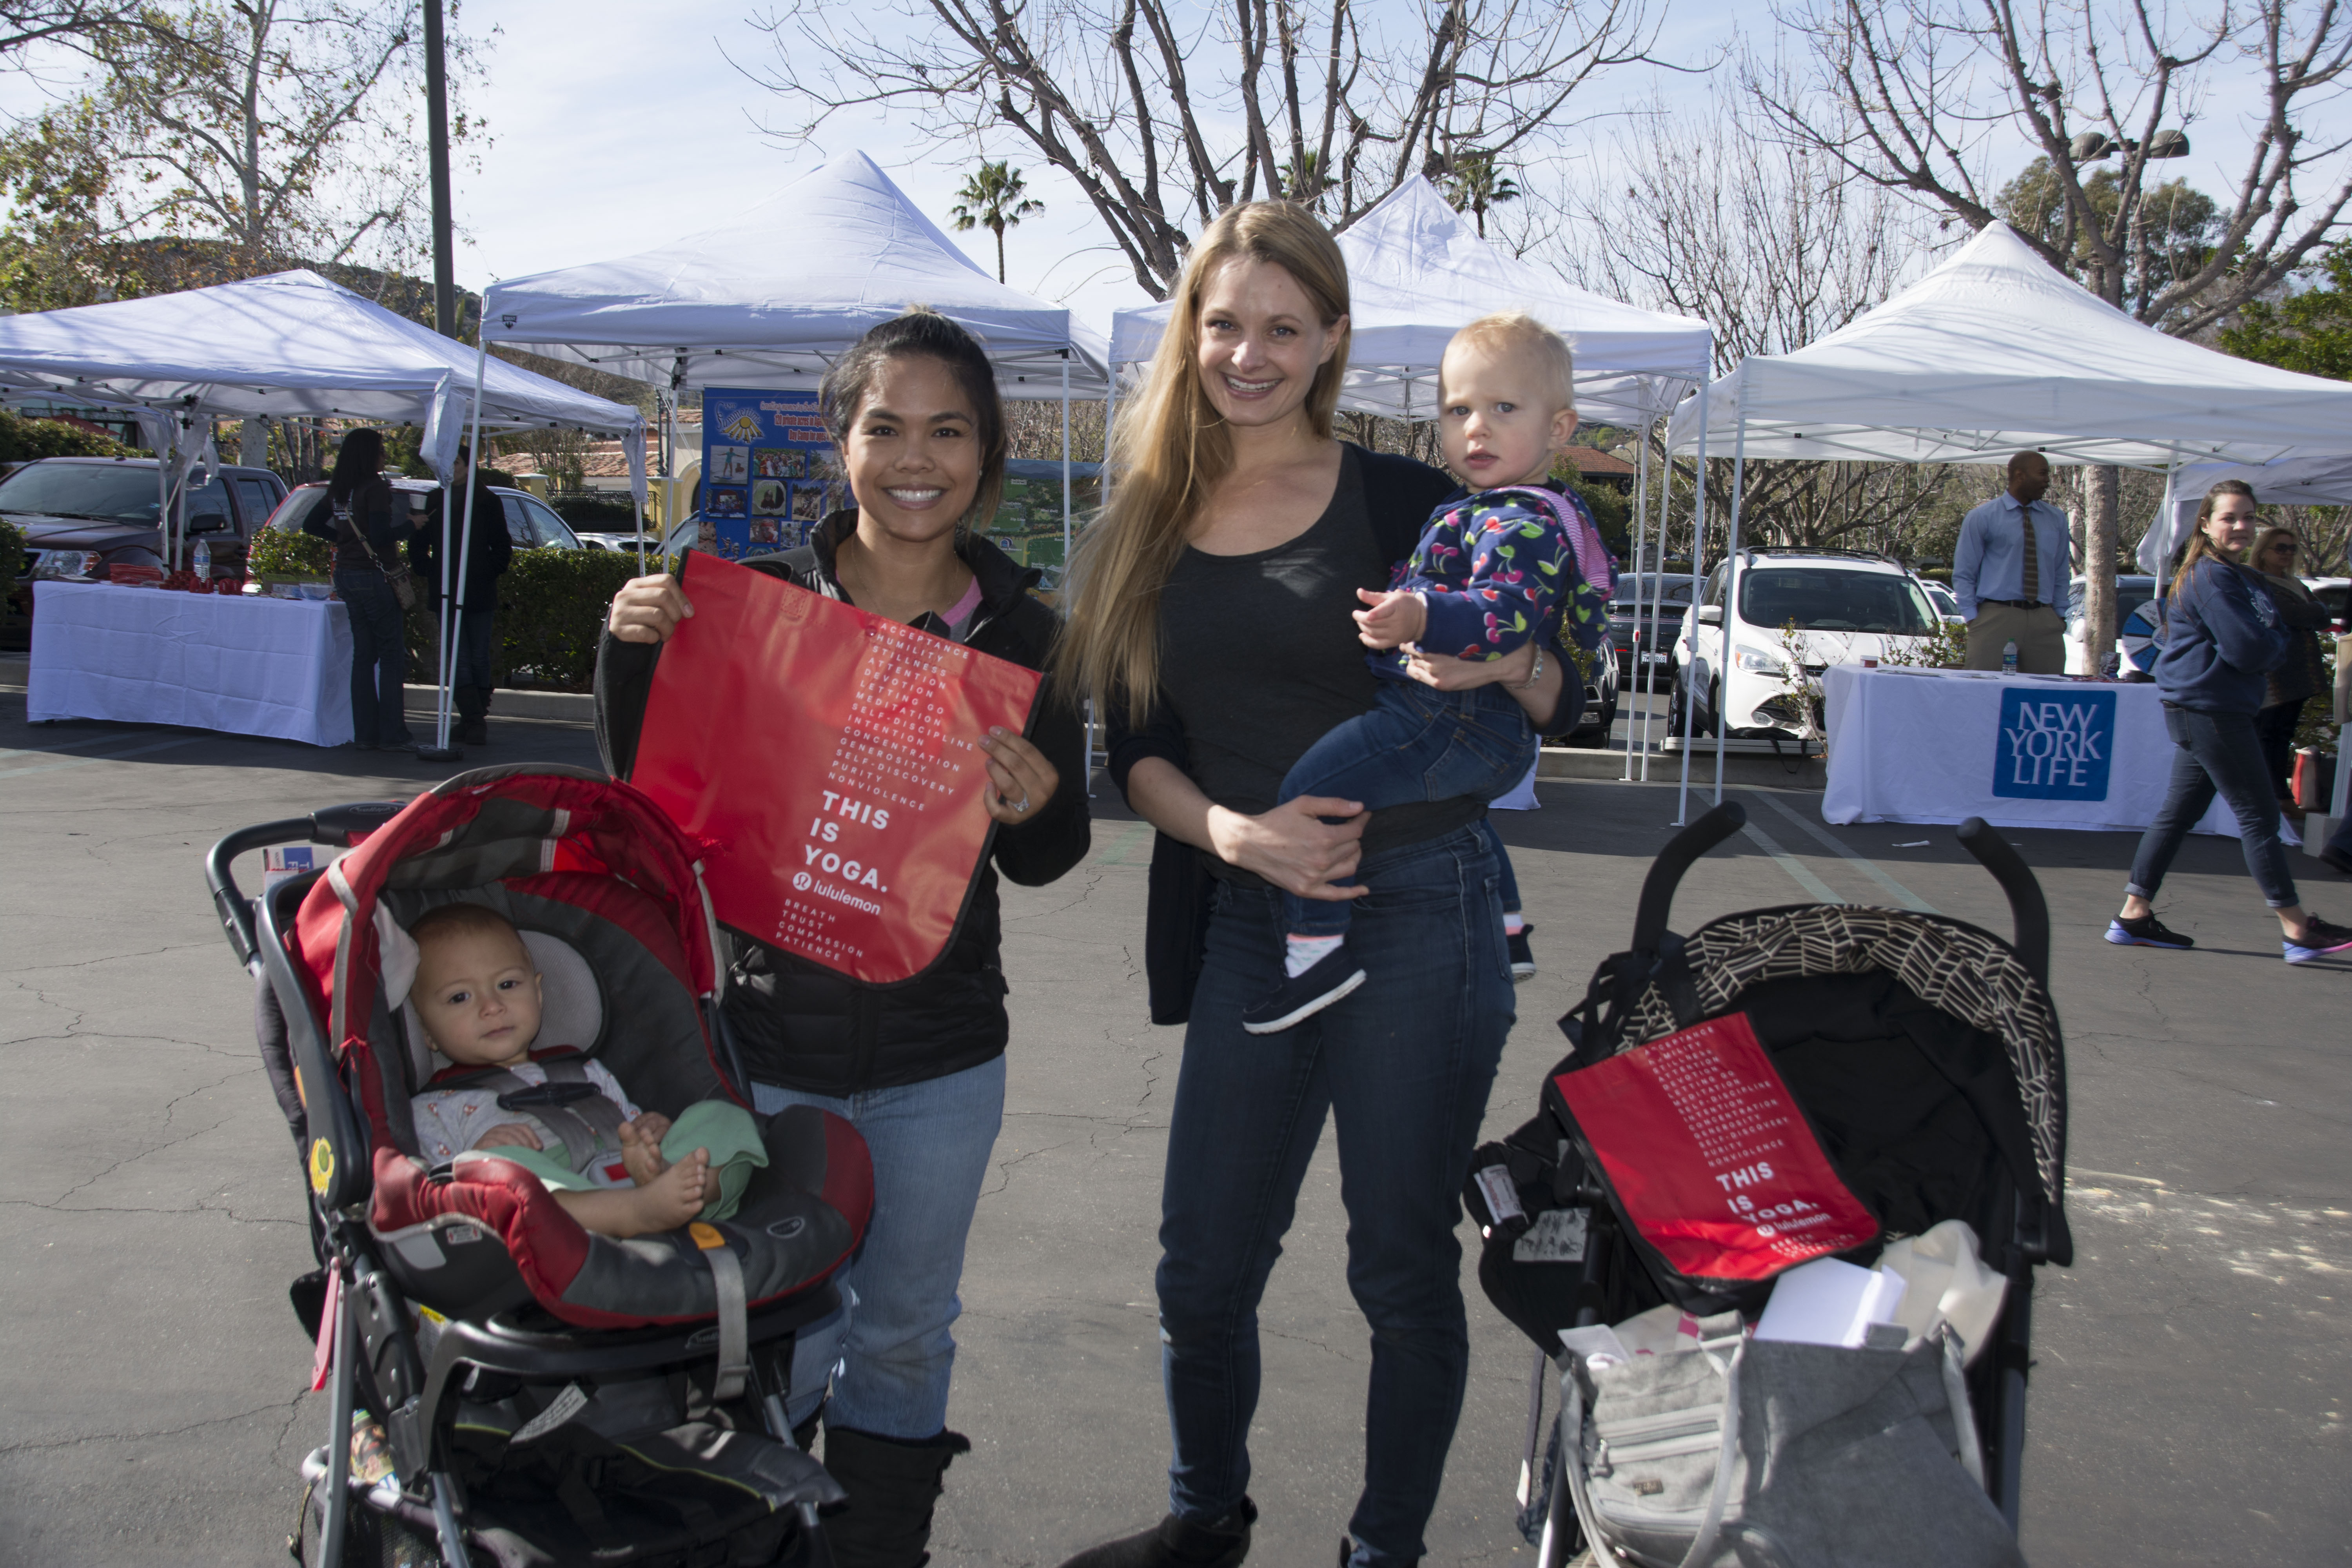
<point>806,1028</point>
<point>1400,493</point>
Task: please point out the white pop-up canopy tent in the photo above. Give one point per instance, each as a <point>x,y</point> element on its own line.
<point>1418,273</point>
<point>772,301</point>
<point>1991,354</point>
<point>290,344</point>
<point>2291,481</point>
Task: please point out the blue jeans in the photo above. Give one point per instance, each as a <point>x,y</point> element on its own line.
<point>2217,752</point>
<point>889,1349</point>
<point>379,659</point>
<point>1415,743</point>
<point>1507,886</point>
<point>1404,1066</point>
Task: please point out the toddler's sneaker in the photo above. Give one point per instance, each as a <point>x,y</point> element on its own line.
<point>2145,932</point>
<point>1523,957</point>
<point>2319,937</point>
<point>1304,996</point>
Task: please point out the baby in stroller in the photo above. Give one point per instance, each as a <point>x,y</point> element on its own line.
<point>476,994</point>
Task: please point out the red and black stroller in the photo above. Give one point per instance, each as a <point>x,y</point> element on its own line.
<point>545,1395</point>
<point>1904,1076</point>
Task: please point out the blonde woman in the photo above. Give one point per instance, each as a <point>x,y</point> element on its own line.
<point>2222,637</point>
<point>2302,676</point>
<point>1211,620</point>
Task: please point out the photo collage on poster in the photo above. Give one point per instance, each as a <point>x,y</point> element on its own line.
<point>769,472</point>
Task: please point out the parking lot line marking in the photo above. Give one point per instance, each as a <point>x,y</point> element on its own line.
<point>110,757</point>
<point>1901,894</point>
<point>1789,863</point>
<point>64,752</point>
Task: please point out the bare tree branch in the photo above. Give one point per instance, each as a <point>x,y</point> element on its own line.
<point>1119,95</point>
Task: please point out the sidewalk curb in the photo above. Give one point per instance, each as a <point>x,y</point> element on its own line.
<point>1557,764</point>
<point>572,707</point>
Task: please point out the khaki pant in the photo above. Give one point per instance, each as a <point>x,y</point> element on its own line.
<point>2039,633</point>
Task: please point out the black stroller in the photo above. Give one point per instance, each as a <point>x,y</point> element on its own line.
<point>1921,1056</point>
<point>545,1395</point>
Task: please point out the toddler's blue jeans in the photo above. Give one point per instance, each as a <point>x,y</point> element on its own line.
<point>1415,743</point>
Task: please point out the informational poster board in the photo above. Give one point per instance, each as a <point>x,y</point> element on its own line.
<point>831,762</point>
<point>768,470</point>
<point>1710,1156</point>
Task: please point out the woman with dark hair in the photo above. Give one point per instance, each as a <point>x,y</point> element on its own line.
<point>2304,672</point>
<point>369,532</point>
<point>918,1067</point>
<point>2222,637</point>
<point>1211,622</point>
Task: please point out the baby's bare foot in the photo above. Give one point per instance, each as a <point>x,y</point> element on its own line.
<point>641,1154</point>
<point>678,1194</point>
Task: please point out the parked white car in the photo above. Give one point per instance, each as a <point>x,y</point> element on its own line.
<point>1845,605</point>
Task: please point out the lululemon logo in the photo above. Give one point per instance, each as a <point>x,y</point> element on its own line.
<point>2054,745</point>
<point>801,881</point>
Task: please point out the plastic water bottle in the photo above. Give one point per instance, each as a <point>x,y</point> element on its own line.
<point>200,558</point>
<point>2008,657</point>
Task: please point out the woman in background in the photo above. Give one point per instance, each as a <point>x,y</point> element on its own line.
<point>369,532</point>
<point>2221,638</point>
<point>2302,676</point>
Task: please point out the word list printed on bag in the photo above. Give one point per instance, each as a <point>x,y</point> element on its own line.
<point>1741,1119</point>
<point>895,756</point>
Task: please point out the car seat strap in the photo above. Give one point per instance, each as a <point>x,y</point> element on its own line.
<point>734,1327</point>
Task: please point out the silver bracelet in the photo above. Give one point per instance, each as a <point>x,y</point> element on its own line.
<point>1535,675</point>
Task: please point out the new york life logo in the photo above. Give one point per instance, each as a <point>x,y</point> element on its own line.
<point>2054,747</point>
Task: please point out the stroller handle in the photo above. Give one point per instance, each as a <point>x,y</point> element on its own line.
<point>2028,913</point>
<point>338,827</point>
<point>1666,872</point>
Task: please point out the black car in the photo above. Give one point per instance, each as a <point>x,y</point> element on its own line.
<point>82,515</point>
<point>1636,633</point>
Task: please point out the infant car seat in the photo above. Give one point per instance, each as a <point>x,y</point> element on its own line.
<point>465,1308</point>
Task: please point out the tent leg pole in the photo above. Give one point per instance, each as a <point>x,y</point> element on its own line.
<point>1640,510</point>
<point>1730,598</point>
<point>1658,596</point>
<point>1065,474</point>
<point>454,604</point>
<point>1698,594</point>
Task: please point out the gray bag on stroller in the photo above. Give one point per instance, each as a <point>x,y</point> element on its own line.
<point>1830,1457</point>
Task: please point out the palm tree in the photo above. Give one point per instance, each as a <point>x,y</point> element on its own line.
<point>992,199</point>
<point>1474,184</point>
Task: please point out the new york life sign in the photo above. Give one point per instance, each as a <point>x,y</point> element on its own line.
<point>2054,745</point>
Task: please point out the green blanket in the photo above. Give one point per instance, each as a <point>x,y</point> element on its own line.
<point>725,1129</point>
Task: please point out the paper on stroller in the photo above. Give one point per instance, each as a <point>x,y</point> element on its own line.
<point>1948,1284</point>
<point>1828,1302</point>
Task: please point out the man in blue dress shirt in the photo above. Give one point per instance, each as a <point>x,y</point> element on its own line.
<point>2010,573</point>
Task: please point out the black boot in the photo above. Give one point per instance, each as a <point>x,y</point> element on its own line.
<point>893,1487</point>
<point>1174,1543</point>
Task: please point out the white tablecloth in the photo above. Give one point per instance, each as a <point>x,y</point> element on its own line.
<point>1915,745</point>
<point>248,665</point>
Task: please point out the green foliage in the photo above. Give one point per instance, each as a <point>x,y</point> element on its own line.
<point>12,611</point>
<point>281,553</point>
<point>2178,219</point>
<point>994,197</point>
<point>1946,647</point>
<point>1612,514</point>
<point>23,439</point>
<point>552,605</point>
<point>2310,331</point>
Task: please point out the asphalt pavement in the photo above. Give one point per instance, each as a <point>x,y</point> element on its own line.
<point>2187,1405</point>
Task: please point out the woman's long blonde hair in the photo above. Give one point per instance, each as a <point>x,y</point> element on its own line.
<point>1172,450</point>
